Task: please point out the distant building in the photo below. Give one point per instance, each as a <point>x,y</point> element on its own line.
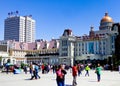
<point>22,52</point>
<point>98,45</point>
<point>19,28</point>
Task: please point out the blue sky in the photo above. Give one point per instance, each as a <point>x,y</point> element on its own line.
<point>54,16</point>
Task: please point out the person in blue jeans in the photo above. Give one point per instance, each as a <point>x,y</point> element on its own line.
<point>60,73</point>
<point>98,72</point>
<point>87,68</point>
<point>37,70</point>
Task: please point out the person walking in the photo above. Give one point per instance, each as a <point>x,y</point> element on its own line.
<point>74,74</point>
<point>87,68</point>
<point>98,72</point>
<point>79,70</point>
<point>53,68</point>
<point>7,66</point>
<point>25,69</point>
<point>37,70</point>
<point>60,73</point>
<point>43,68</point>
<point>31,69</point>
<point>34,72</point>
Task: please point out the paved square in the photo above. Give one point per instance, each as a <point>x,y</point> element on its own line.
<point>108,78</point>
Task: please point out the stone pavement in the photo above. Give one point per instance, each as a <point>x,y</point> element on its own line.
<point>108,79</point>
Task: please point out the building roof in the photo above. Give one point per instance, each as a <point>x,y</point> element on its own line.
<point>106,18</point>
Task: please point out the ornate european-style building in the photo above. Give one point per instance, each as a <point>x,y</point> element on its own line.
<point>97,45</point>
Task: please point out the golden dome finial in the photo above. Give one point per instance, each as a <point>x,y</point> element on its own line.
<point>106,14</point>
<point>106,18</point>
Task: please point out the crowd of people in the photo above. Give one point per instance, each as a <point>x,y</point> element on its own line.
<point>76,71</point>
<point>59,70</point>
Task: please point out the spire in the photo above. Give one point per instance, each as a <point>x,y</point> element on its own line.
<point>91,28</point>
<point>106,14</point>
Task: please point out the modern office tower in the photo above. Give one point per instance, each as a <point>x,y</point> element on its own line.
<point>29,29</point>
<point>19,28</point>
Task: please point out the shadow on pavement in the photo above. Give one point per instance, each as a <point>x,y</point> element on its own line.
<point>92,81</point>
<point>28,79</point>
<point>68,85</point>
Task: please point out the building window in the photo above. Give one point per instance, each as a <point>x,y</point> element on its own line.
<point>64,43</point>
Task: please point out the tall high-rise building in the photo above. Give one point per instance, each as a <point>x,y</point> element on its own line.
<point>19,28</point>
